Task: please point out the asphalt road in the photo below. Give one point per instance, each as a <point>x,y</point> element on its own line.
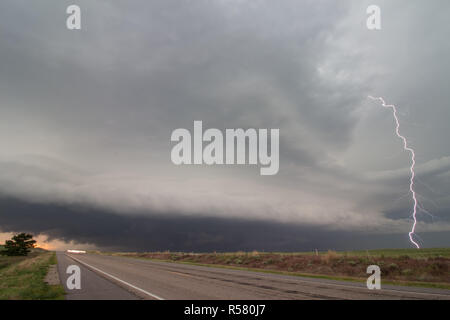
<point>110,277</point>
<point>93,286</point>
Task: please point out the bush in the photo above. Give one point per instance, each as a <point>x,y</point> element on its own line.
<point>407,272</point>
<point>329,256</point>
<point>393,267</point>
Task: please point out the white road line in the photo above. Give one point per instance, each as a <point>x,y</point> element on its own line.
<point>117,279</point>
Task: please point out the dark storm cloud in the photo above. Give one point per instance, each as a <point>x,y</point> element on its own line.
<point>107,230</point>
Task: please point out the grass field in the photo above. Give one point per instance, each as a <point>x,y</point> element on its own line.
<point>22,278</point>
<point>424,267</point>
<point>412,253</point>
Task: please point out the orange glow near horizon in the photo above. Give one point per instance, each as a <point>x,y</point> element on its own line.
<point>43,243</point>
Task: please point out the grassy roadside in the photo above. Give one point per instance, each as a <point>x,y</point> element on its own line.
<point>22,278</point>
<point>422,268</point>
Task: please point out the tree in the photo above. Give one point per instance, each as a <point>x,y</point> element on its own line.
<point>19,245</point>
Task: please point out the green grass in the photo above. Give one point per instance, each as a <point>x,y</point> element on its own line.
<point>412,253</point>
<point>22,278</point>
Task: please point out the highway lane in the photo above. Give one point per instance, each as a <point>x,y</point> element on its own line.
<point>93,286</point>
<point>163,280</point>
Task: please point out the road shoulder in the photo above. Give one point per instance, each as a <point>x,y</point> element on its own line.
<point>93,286</point>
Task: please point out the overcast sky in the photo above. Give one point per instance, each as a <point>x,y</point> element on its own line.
<point>86,118</point>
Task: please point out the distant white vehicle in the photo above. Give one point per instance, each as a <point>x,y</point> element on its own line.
<point>76,251</point>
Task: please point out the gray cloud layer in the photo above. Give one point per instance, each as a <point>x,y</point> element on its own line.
<point>86,116</point>
<point>159,231</point>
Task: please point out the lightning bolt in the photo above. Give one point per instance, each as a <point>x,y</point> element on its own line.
<point>411,168</point>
